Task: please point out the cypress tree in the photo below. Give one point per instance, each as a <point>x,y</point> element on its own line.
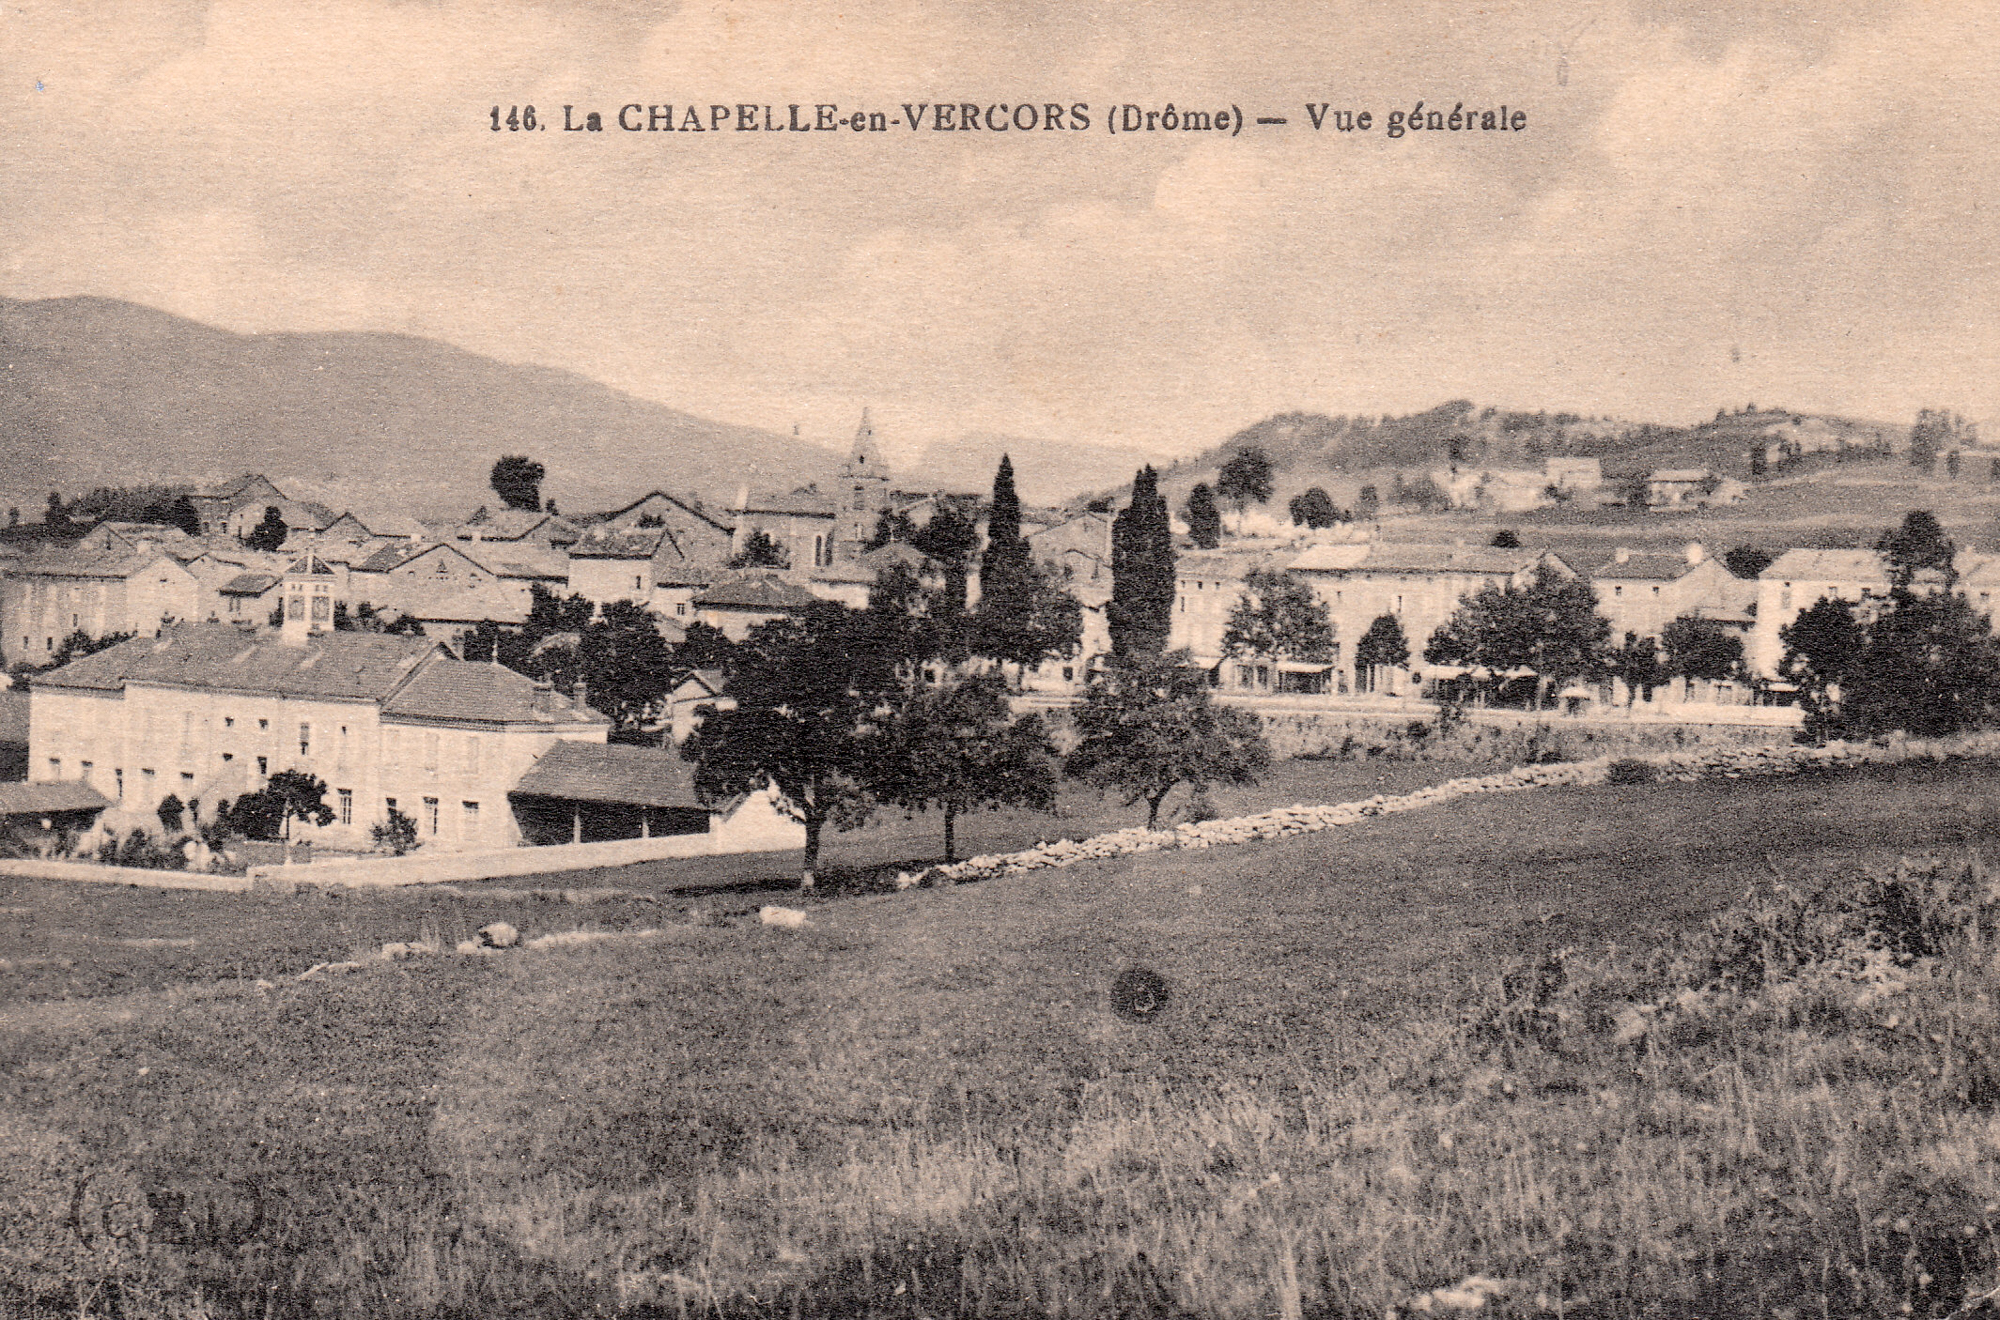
<point>1142,571</point>
<point>1006,586</point>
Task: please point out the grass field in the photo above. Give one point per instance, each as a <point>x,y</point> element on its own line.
<point>922,1104</point>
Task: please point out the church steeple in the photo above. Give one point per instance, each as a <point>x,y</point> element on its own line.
<point>865,459</point>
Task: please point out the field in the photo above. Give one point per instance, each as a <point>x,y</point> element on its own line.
<point>925,1103</point>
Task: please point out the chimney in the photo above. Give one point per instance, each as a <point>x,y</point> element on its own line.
<point>1695,553</point>
<point>1622,555</point>
<point>578,694</point>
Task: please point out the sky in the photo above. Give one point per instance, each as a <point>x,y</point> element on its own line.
<point>1786,204</point>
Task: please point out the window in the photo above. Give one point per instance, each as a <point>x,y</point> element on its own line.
<point>263,765</point>
<point>1399,604</point>
<point>55,767</point>
<point>228,721</point>
<point>1785,597</point>
<point>229,756</point>
<point>681,607</point>
<point>1183,604</point>
<point>471,818</point>
<point>1617,591</point>
<point>431,752</point>
<point>1656,591</point>
<point>146,783</point>
<point>638,582</point>
<point>187,779</point>
<point>305,739</point>
<point>263,724</point>
<point>1069,673</point>
<point>74,623</point>
<point>346,798</point>
<point>118,779</point>
<point>431,815</point>
<point>472,753</point>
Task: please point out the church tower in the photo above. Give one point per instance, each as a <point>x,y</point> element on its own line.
<point>863,493</point>
<point>308,600</point>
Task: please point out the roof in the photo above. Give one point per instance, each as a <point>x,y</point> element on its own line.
<point>1647,567</point>
<point>504,524</point>
<point>708,680</point>
<point>618,543</point>
<point>1335,557</point>
<point>389,556</point>
<point>234,486</point>
<point>461,691</point>
<point>608,772</point>
<point>19,799</point>
<point>1391,557</point>
<point>800,503</point>
<point>310,565</point>
<point>845,573</point>
<point>1681,474</point>
<point>248,584</point>
<point>1837,565</point>
<point>116,563</point>
<point>333,665</point>
<point>894,552</point>
<point>757,593</point>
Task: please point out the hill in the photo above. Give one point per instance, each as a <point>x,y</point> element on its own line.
<point>1045,471</point>
<point>99,392</point>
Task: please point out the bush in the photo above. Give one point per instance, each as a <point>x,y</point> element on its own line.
<point>1631,770</point>
<point>397,834</point>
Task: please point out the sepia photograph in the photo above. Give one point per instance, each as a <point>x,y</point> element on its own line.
<point>916,661</point>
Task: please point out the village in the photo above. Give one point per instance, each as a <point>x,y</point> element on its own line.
<point>430,675</point>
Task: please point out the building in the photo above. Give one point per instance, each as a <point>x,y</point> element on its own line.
<point>46,597</point>
<point>1798,579</point>
<point>739,605</point>
<point>302,518</point>
<point>214,504</point>
<point>203,713</point>
<point>864,495</point>
<point>1641,593</point>
<point>657,566</point>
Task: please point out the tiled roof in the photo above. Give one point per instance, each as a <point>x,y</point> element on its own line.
<point>607,772</point>
<point>114,563</point>
<point>894,552</point>
<point>330,664</point>
<point>1646,567</point>
<point>1336,557</point>
<point>232,487</point>
<point>310,565</point>
<point>505,524</point>
<point>619,543</point>
<point>1391,557</point>
<point>457,690</point>
<point>18,799</point>
<point>458,602</point>
<point>248,584</point>
<point>757,593</point>
<point>389,556</point>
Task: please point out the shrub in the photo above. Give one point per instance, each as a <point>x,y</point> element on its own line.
<point>398,834</point>
<point>1631,770</point>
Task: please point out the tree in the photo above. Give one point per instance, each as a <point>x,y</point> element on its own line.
<point>624,664</point>
<point>1204,520</point>
<point>270,533</point>
<point>398,833</point>
<point>1278,615</point>
<point>181,513</point>
<point>286,796</point>
<point>80,644</point>
<point>1051,626</point>
<point>704,646</point>
<point>891,525</point>
<point>760,551</point>
<point>1951,463</point>
<point>1314,508</point>
<point>949,538</point>
<point>1929,665</point>
<point>1916,547</point>
<point>1383,646</point>
<point>1245,478</point>
<point>1747,561</point>
<point>1367,504</point>
<point>1505,539</point>
<point>1549,626</point>
<point>56,517</point>
<point>1140,615</point>
<point>517,480</point>
<point>959,748</point>
<point>1637,664</point>
<point>171,811</point>
<point>1931,432</point>
<point>1007,581</point>
<point>1822,647</point>
<point>809,690</point>
<point>1151,724</point>
<point>1701,648</point>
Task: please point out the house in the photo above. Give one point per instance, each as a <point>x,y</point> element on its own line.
<point>1079,543</point>
<point>441,585</point>
<point>1798,579</point>
<point>203,713</point>
<point>1207,586</point>
<point>1641,593</point>
<point>656,566</point>
<point>48,596</point>
<point>301,517</point>
<point>1418,586</point>
<point>48,817</point>
<point>803,525</point>
<point>214,504</point>
<point>740,605</point>
<point>132,537</point>
<point>701,687</point>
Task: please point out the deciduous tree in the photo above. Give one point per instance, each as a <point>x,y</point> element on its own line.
<point>1150,724</point>
<point>1383,646</point>
<point>270,532</point>
<point>1550,626</point>
<point>1278,615</point>
<point>1204,520</point>
<point>958,748</point>
<point>1314,508</point>
<point>517,480</point>
<point>1245,478</point>
<point>809,691</point>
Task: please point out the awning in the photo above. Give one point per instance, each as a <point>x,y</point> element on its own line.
<point>1303,667</point>
<point>41,799</point>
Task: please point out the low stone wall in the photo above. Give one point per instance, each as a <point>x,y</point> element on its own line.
<point>1281,822</point>
<point>92,873</point>
<point>430,868</point>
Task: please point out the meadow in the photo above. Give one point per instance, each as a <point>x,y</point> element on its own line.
<point>1537,1052</point>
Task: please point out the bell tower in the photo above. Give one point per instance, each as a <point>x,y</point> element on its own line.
<point>863,493</point>
<point>308,600</point>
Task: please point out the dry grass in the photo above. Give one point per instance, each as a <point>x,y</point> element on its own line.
<point>921,1105</point>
